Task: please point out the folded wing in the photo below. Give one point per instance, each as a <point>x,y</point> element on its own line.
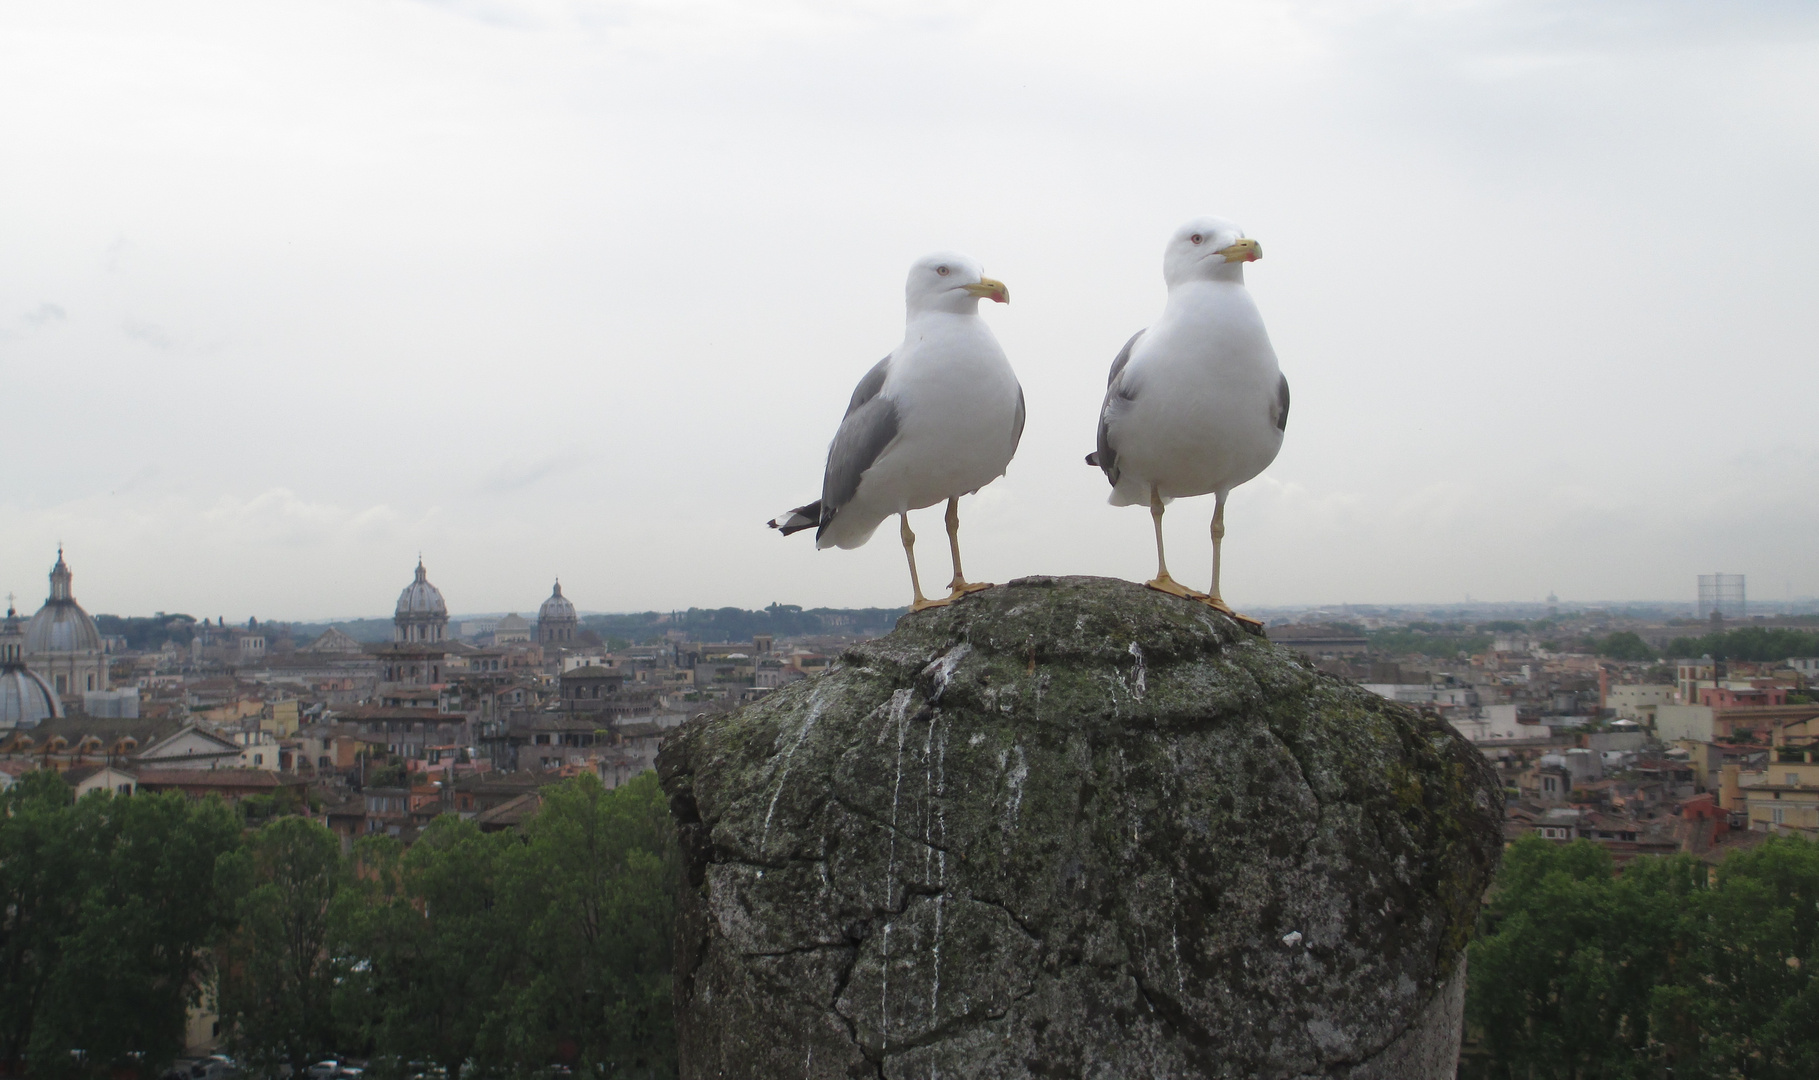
<point>1118,395</point>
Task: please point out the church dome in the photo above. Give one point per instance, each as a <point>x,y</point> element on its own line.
<point>420,597</point>
<point>25,699</point>
<point>61,626</point>
<point>556,607</point>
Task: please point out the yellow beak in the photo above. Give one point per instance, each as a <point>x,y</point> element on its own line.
<point>987,289</point>
<point>1244,250</point>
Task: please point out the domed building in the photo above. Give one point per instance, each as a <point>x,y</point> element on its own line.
<point>421,614</point>
<point>514,627</point>
<point>556,621</point>
<point>413,663</point>
<point>26,700</point>
<point>61,642</point>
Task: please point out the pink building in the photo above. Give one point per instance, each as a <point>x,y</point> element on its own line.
<point>1723,697</point>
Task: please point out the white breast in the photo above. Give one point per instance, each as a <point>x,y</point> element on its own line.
<point>956,400</point>
<point>1205,382</point>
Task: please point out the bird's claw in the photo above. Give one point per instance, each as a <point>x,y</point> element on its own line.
<point>923,603</point>
<point>1255,626</point>
<point>958,588</point>
<point>1174,588</point>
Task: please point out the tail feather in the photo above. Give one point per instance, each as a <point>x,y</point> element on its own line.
<point>802,517</point>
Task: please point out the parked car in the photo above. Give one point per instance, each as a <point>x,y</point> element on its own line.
<point>214,1067</point>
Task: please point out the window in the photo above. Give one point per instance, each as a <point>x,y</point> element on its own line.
<point>258,759</point>
<point>62,684</point>
<point>1793,779</point>
<point>91,682</point>
<point>1780,813</point>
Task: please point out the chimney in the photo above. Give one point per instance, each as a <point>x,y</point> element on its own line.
<point>1730,794</point>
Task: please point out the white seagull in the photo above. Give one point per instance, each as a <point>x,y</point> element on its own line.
<point>938,418</point>
<point>1194,403</point>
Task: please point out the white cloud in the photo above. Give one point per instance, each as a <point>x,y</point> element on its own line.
<point>582,287</point>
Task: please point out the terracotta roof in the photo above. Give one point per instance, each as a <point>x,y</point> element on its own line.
<point>497,783</point>
<point>513,813</point>
<point>396,712</point>
<point>222,778</point>
<point>83,772</point>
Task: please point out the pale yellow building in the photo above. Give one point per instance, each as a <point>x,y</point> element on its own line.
<point>279,718</point>
<point>1783,798</point>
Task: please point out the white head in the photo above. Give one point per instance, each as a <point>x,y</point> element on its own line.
<point>1208,249</point>
<point>948,281</point>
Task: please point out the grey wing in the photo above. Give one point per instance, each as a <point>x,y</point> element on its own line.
<point>869,385</point>
<point>1017,424</point>
<point>1280,413</point>
<point>869,426</point>
<point>1118,394</point>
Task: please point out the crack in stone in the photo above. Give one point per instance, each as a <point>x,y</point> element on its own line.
<point>852,1027</point>
<point>801,950</point>
<point>861,812</point>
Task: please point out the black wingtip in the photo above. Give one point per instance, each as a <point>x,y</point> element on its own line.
<point>1093,459</point>
<point>802,517</point>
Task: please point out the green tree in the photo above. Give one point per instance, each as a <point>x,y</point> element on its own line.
<point>277,975</point>
<point>1756,643</point>
<point>1669,970</point>
<point>109,906</point>
<point>1743,1000</point>
<point>1624,645</point>
<point>594,885</point>
<point>138,956</point>
<point>440,952</point>
<point>40,875</point>
<point>1561,989</point>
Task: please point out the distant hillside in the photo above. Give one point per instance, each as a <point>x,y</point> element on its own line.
<point>365,630</point>
<point>700,624</point>
<point>737,624</point>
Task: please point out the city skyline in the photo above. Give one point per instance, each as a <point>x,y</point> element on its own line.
<point>1536,608</point>
<point>580,290</point>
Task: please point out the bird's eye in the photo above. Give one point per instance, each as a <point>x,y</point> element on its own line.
<point>942,270</point>
<point>1196,238</point>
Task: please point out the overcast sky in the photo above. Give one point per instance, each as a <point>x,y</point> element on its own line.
<point>292,291</point>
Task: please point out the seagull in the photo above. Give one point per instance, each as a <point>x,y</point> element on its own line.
<point>1194,403</point>
<point>938,418</point>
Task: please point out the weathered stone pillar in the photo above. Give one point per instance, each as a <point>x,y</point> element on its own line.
<point>1071,827</point>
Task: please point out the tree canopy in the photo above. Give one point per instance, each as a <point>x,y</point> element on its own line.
<point>1760,644</point>
<point>107,908</point>
<point>1623,645</point>
<point>1672,969</point>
